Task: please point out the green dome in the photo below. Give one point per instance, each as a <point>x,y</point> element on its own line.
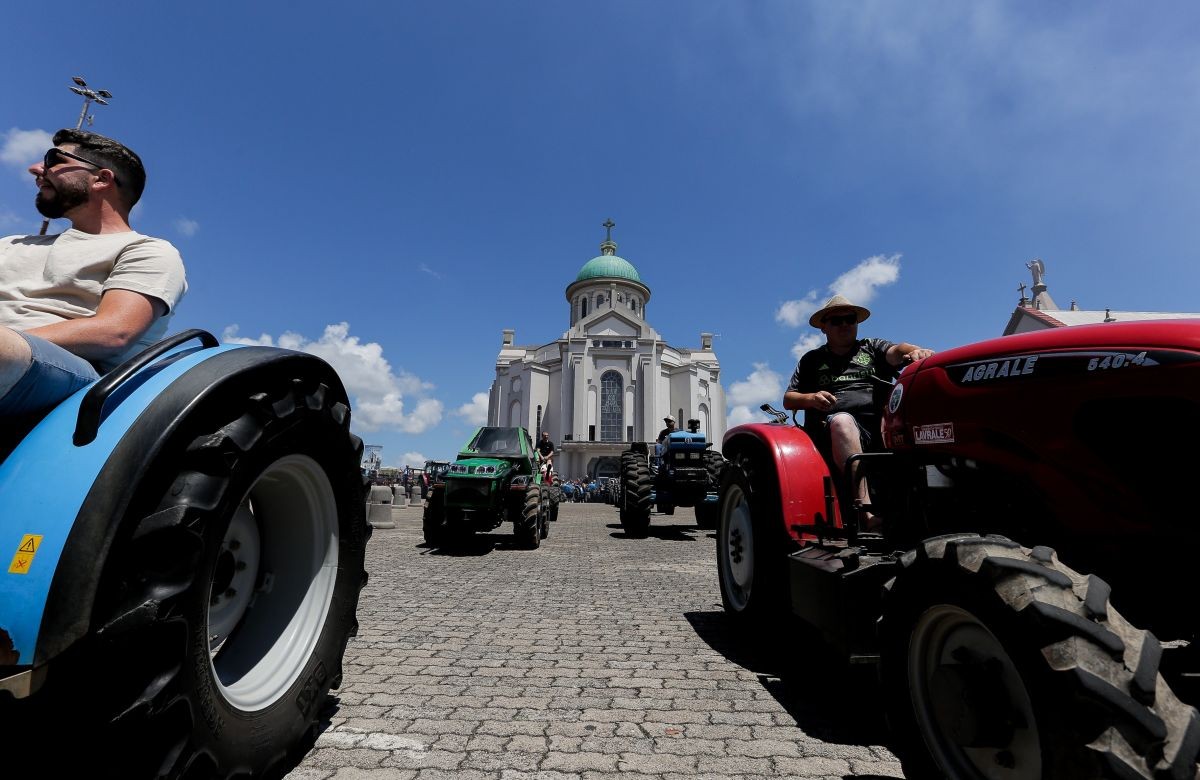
<point>608,267</point>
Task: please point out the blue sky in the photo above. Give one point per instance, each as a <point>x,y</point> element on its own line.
<point>391,185</point>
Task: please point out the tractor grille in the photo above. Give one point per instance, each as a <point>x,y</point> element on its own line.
<point>691,476</point>
<point>468,492</point>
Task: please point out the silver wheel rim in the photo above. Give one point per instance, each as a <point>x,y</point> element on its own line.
<point>264,634</point>
<point>947,640</point>
<point>737,542</point>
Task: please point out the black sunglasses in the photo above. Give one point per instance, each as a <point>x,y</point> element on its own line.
<point>55,156</point>
<point>842,319</point>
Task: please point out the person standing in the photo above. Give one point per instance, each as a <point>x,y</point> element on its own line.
<point>835,384</point>
<point>545,449</point>
<point>79,303</point>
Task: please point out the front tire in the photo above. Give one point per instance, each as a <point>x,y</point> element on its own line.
<point>1000,662</point>
<point>635,513</point>
<point>528,532</point>
<point>433,519</point>
<point>242,567</point>
<point>751,544</point>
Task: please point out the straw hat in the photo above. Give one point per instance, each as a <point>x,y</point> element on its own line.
<point>669,419</point>
<point>837,302</point>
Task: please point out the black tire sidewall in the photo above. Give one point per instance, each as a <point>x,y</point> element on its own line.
<point>219,727</point>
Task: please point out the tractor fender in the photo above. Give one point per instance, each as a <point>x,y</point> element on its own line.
<point>72,498</point>
<point>807,492</point>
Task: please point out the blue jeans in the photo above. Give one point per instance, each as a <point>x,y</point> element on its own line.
<point>53,376</point>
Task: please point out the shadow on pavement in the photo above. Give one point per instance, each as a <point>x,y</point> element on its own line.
<point>828,698</point>
<point>474,545</point>
<point>686,532</point>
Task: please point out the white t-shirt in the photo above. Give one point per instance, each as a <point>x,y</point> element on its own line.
<point>48,279</point>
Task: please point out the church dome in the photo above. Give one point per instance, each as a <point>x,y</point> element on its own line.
<point>608,267</point>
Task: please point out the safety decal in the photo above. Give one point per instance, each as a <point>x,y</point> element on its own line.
<point>25,552</point>
<point>938,433</point>
<point>894,400</point>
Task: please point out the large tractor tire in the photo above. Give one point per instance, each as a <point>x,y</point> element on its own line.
<point>635,513</point>
<point>1000,662</point>
<point>228,595</point>
<point>433,519</point>
<point>527,531</point>
<point>752,546</point>
<point>715,465</point>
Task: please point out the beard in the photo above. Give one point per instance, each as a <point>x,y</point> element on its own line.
<point>67,195</point>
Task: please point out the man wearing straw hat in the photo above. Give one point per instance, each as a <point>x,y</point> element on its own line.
<point>835,384</point>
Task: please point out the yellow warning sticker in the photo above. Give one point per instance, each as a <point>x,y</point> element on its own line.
<point>25,552</point>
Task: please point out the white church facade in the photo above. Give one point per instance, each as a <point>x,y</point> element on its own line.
<point>610,379</point>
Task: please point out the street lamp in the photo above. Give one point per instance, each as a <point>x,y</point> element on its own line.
<point>89,96</point>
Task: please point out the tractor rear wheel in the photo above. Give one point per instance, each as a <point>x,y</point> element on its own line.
<point>635,511</point>
<point>751,545</point>
<point>1001,662</point>
<point>229,594</point>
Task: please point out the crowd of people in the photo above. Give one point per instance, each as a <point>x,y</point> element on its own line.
<point>583,489</point>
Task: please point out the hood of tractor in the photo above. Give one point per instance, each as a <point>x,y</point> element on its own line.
<point>479,468</point>
<point>686,441</point>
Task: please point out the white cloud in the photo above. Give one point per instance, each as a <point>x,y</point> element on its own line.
<point>739,415</point>
<point>797,312</point>
<point>412,459</point>
<point>425,268</point>
<point>377,393</point>
<point>807,343</point>
<point>860,283</point>
<point>22,148</point>
<point>186,226</point>
<point>476,411</point>
<point>763,385</point>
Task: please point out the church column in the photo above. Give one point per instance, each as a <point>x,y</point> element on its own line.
<point>649,381</point>
<point>579,408</point>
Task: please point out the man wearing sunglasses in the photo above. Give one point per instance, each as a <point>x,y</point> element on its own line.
<point>837,384</point>
<point>76,304</point>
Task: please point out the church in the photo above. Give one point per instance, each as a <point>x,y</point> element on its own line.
<point>610,379</point>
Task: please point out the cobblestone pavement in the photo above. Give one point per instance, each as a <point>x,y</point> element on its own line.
<point>597,657</point>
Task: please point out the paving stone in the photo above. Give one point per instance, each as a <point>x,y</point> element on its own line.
<point>594,657</point>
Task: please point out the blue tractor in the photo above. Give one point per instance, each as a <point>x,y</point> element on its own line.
<point>684,471</point>
<point>184,542</point>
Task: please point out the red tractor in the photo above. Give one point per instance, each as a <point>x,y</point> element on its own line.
<point>1008,467</point>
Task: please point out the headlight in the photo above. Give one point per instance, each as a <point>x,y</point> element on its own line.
<point>458,468</point>
<point>485,470</point>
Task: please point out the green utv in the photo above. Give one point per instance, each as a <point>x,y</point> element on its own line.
<point>495,479</point>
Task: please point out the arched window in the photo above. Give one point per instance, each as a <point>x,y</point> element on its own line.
<point>612,407</point>
<point>583,307</point>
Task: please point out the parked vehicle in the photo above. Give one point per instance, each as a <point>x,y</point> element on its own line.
<point>494,480</point>
<point>1010,467</point>
<point>684,471</point>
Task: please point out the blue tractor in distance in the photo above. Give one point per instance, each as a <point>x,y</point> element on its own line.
<point>184,542</point>
<point>685,471</point>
